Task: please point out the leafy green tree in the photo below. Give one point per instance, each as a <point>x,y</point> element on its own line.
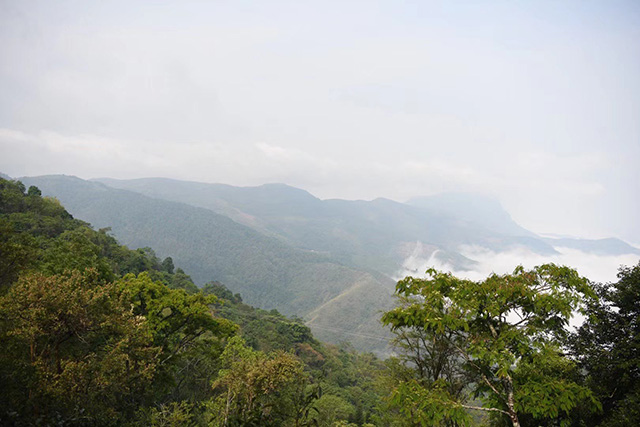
<point>331,408</point>
<point>11,196</point>
<point>259,389</point>
<point>426,360</point>
<point>28,225</point>
<point>75,250</point>
<point>183,328</point>
<point>175,414</point>
<point>34,191</point>
<point>167,265</point>
<point>221,291</point>
<point>507,330</point>
<point>432,358</point>
<point>72,352</point>
<point>607,348</point>
<point>17,252</point>
<point>181,280</point>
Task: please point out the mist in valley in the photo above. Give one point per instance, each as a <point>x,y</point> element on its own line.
<point>597,268</point>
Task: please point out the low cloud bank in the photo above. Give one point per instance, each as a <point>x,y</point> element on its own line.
<point>597,268</point>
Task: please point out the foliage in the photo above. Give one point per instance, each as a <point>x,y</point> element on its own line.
<point>331,409</point>
<point>16,253</point>
<point>606,346</point>
<point>267,270</point>
<point>38,234</point>
<point>337,371</point>
<point>27,222</point>
<point>507,331</point>
<point>184,329</point>
<point>81,351</point>
<point>79,348</point>
<point>73,351</point>
<point>425,361</point>
<point>259,389</point>
<point>119,336</point>
<point>262,330</point>
<point>174,414</point>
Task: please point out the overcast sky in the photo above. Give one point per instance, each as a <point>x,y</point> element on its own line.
<point>536,103</point>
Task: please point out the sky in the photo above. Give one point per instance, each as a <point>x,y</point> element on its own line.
<point>534,103</point>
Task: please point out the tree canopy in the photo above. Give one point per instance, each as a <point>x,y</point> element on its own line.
<point>94,333</point>
<point>607,347</point>
<point>506,331</point>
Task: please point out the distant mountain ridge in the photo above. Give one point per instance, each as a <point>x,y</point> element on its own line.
<point>608,246</point>
<point>376,234</point>
<point>366,234</point>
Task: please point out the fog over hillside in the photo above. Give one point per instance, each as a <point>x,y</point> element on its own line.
<point>596,267</point>
<point>476,237</point>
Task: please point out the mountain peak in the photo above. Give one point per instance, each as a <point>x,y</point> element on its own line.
<point>283,189</point>
<point>476,208</point>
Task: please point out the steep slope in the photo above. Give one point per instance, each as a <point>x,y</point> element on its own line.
<point>268,272</point>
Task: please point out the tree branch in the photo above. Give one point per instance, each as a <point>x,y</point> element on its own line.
<point>480,408</point>
<point>484,377</point>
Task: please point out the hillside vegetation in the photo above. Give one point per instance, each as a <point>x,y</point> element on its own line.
<point>331,262</point>
<point>267,271</point>
<point>94,333</point>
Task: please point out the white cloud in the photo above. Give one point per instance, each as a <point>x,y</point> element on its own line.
<point>597,268</point>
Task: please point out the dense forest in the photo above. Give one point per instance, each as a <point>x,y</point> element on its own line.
<point>95,333</point>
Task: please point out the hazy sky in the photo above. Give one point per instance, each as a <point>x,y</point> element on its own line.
<point>536,103</point>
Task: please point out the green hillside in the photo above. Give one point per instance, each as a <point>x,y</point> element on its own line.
<point>94,333</point>
<point>267,271</point>
<point>327,261</point>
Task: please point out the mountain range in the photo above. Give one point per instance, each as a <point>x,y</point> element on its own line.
<point>332,262</point>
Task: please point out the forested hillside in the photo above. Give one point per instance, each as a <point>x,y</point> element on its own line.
<point>94,333</point>
<point>330,262</point>
<point>342,301</point>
